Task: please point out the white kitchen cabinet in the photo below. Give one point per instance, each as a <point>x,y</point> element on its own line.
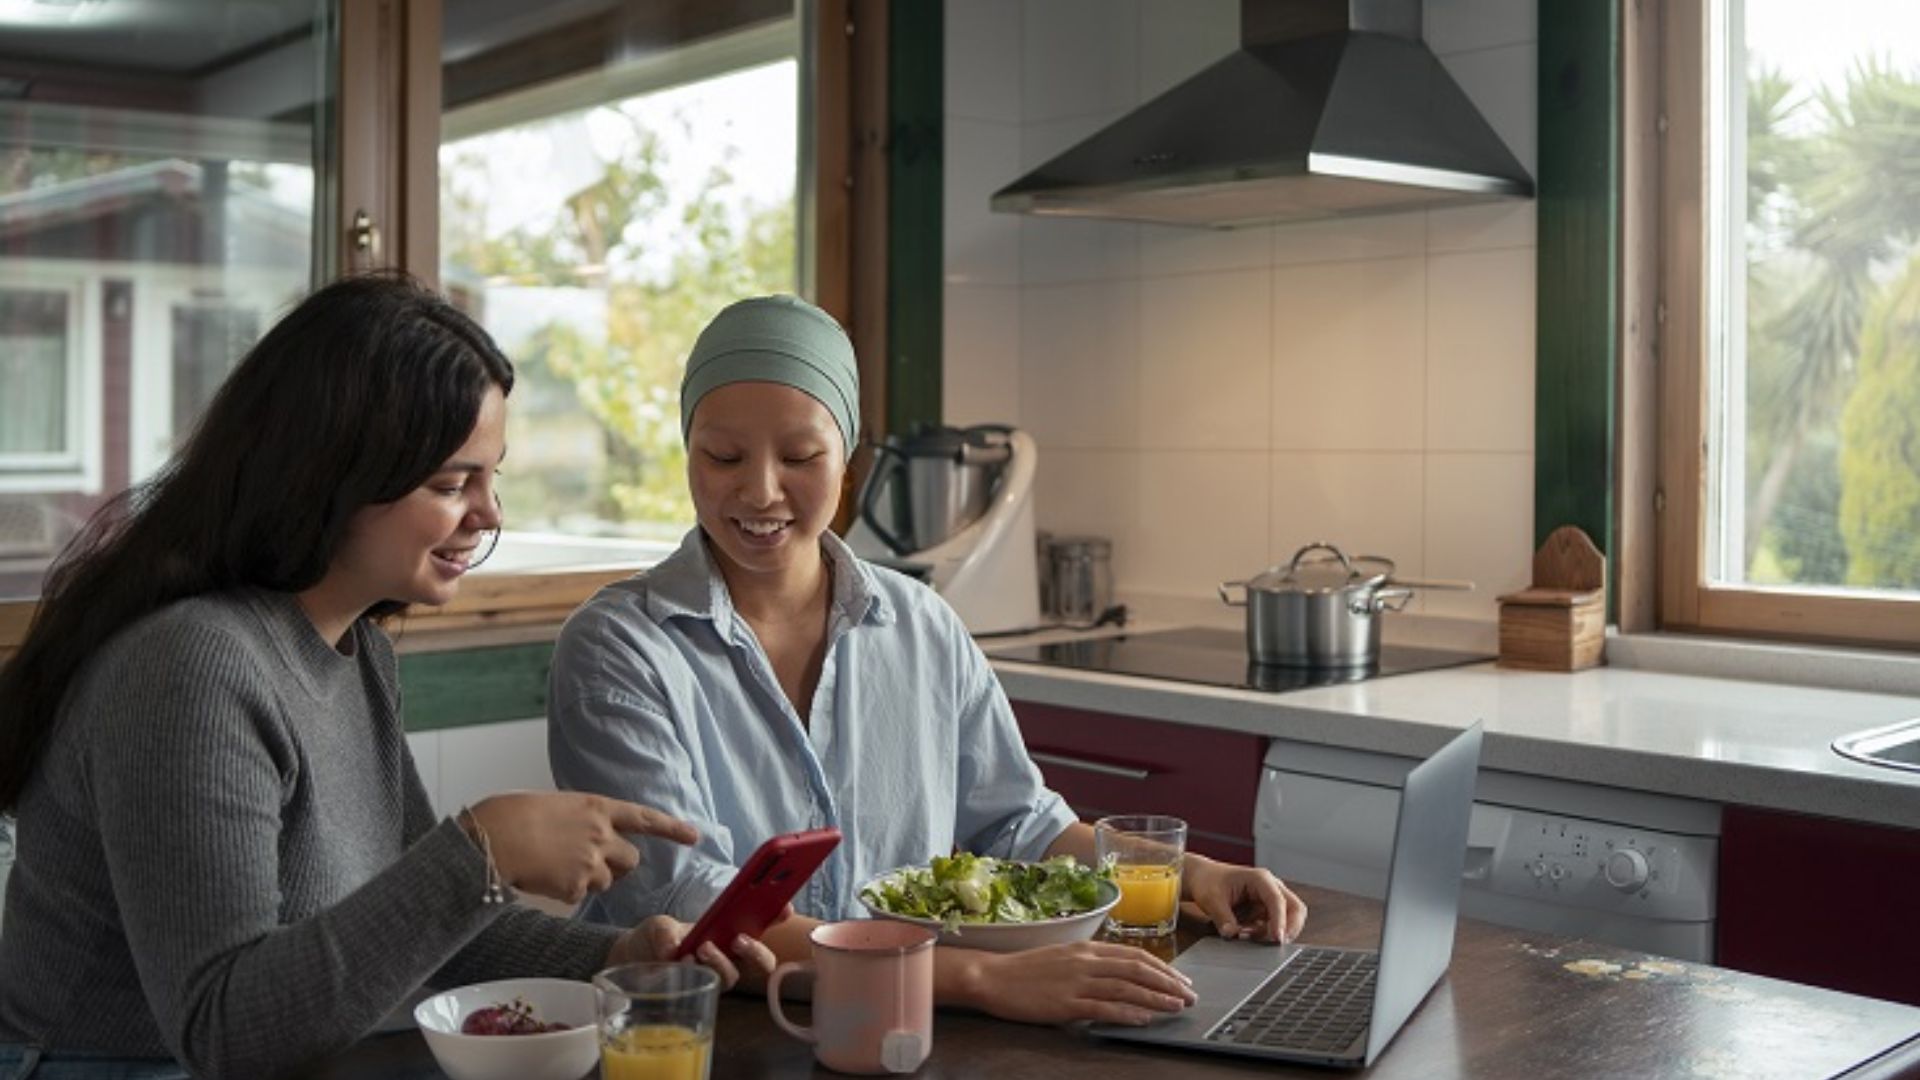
<point>425,748</point>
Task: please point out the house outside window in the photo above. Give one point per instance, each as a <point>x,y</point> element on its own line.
<point>154,220</point>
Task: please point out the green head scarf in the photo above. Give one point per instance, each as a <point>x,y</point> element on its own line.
<point>779,339</point>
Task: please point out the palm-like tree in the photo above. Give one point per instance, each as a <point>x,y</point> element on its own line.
<point>1849,221</point>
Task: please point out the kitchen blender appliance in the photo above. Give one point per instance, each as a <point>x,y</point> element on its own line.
<point>954,508</point>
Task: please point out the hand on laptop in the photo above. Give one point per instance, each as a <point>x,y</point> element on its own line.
<point>1243,901</point>
<point>1087,980</point>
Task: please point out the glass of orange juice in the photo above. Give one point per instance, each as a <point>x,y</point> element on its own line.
<point>656,1021</point>
<point>1144,851</point>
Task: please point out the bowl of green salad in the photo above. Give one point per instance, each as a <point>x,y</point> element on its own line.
<point>1000,905</point>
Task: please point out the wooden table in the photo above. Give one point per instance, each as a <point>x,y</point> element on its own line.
<point>1513,1004</point>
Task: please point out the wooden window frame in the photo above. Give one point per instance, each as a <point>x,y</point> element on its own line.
<point>1665,240</point>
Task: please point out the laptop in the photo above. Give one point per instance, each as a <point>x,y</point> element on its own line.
<point>1331,1006</point>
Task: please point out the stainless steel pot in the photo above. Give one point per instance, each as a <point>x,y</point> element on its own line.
<point>1318,612</point>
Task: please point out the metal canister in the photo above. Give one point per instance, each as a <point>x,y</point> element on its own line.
<point>1082,577</point>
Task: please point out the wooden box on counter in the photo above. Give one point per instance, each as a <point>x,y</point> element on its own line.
<point>1548,630</point>
<point>1560,623</point>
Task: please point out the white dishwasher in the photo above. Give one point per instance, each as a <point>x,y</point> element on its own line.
<point>1628,868</point>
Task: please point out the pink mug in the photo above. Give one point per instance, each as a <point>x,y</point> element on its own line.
<point>872,996</point>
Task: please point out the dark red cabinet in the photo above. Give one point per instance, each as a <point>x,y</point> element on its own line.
<point>1105,764</point>
<point>1820,901</point>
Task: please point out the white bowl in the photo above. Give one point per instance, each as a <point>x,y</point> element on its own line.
<point>1013,937</point>
<point>554,1055</point>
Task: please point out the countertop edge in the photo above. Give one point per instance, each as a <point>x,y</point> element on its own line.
<point>1864,799</point>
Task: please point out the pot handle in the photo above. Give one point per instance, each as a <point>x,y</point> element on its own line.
<point>1431,583</point>
<point>1321,545</point>
<point>1382,600</point>
<point>886,459</point>
<point>1228,600</point>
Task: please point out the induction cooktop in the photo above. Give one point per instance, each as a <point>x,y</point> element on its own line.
<point>1219,658</point>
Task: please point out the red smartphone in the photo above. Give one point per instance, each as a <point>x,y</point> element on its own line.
<point>757,895</point>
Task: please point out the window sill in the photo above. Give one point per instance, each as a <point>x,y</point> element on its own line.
<point>1830,667</point>
<point>426,639</point>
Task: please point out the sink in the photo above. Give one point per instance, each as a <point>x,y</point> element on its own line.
<point>1896,746</point>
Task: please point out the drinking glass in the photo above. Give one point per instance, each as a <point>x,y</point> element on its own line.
<point>1144,851</point>
<point>656,1021</point>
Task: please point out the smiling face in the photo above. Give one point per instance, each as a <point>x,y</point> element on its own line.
<point>764,463</point>
<point>416,548</point>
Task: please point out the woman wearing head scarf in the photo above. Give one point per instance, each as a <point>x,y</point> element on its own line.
<point>763,679</point>
<point>227,863</point>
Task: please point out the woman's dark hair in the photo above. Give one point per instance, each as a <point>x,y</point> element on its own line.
<point>355,398</point>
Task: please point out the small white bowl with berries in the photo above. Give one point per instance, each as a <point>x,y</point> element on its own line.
<point>514,1029</point>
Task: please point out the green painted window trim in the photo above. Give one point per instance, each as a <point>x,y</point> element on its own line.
<point>916,185</point>
<point>463,687</point>
<point>1577,297</point>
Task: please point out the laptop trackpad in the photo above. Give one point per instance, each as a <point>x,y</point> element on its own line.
<point>1223,973</point>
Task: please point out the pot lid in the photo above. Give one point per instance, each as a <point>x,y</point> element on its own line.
<point>1331,570</point>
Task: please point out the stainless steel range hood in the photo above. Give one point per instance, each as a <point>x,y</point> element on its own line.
<point>1328,108</point>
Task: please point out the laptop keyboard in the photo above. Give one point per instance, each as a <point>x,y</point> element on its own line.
<point>1319,1003</point>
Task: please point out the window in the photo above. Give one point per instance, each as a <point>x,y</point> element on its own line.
<point>154,218</point>
<point>1790,280</point>
<point>44,445</point>
<point>593,227</point>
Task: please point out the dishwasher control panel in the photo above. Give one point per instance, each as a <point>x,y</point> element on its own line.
<point>1339,833</point>
<point>1592,864</point>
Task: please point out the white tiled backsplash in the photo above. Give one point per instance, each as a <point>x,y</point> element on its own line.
<point>1211,400</point>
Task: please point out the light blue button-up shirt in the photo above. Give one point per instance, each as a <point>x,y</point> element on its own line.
<point>661,694</point>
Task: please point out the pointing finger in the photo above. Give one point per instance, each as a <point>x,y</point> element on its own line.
<point>633,818</point>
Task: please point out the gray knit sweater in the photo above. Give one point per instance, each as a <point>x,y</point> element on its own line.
<point>227,857</point>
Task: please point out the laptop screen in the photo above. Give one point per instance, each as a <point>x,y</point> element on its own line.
<point>1423,886</point>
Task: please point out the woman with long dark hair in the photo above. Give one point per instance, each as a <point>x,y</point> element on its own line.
<point>226,860</point>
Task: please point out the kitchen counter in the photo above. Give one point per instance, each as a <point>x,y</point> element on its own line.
<point>1513,1004</point>
<point>1716,740</point>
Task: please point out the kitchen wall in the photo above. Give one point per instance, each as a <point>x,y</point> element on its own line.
<point>1212,400</point>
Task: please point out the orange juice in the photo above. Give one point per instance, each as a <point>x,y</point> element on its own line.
<point>1149,895</point>
<point>655,1052</point>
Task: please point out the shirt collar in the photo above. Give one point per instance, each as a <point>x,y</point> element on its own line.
<point>855,595</point>
<point>688,583</point>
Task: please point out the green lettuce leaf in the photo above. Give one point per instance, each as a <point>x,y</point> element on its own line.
<point>967,888</point>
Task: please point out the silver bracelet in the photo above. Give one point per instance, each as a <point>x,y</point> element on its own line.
<point>496,891</point>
